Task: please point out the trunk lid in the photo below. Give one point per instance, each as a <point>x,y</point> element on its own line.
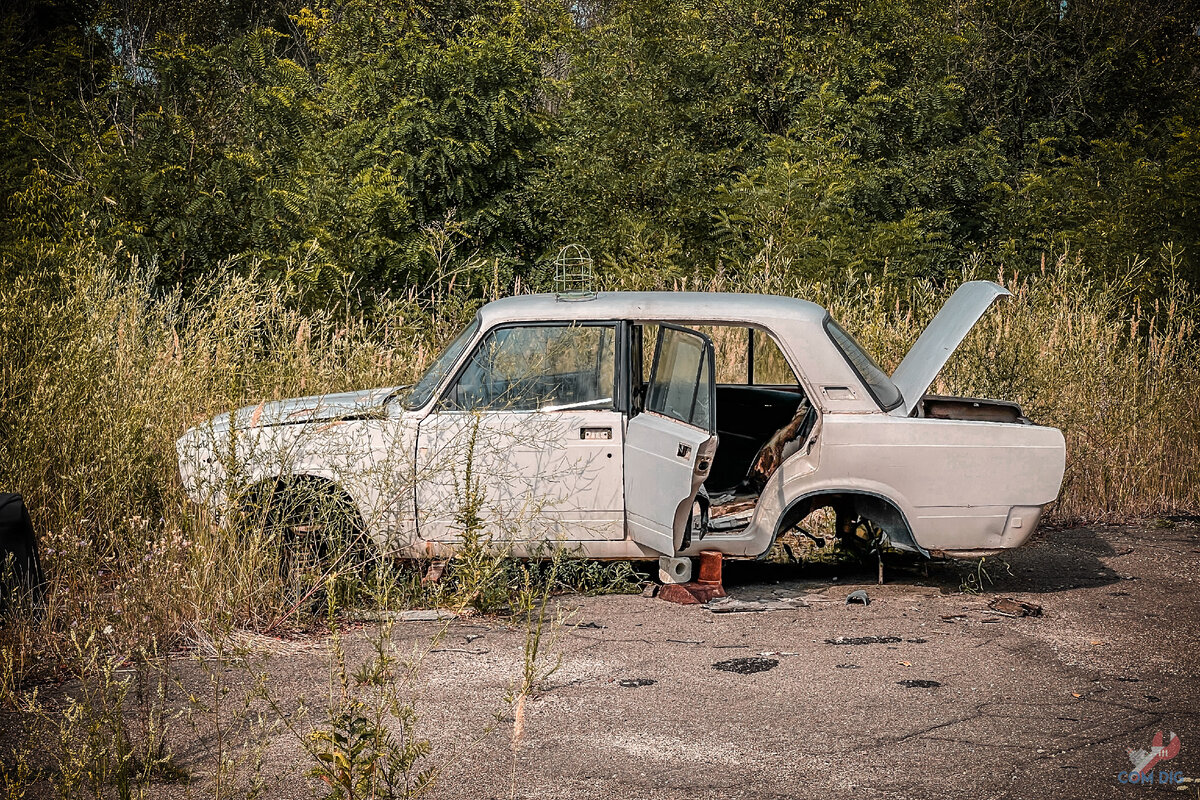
<point>940,339</point>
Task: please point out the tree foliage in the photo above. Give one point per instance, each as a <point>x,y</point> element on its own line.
<point>363,139</point>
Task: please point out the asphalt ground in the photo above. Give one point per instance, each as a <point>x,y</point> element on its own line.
<point>949,699</point>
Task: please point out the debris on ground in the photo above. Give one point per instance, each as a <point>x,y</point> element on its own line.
<point>864,640</point>
<point>729,605</point>
<point>1008,607</point>
<point>847,666</point>
<point>633,683</point>
<point>918,684</point>
<point>858,596</point>
<point>589,624</point>
<point>746,666</point>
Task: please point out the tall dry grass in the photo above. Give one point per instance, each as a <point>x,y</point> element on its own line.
<point>101,374</point>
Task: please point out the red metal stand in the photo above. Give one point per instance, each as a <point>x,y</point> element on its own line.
<point>704,588</point>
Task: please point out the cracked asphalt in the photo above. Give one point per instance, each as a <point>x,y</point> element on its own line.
<point>965,703</point>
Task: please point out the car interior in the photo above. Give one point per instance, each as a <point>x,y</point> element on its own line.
<point>762,417</point>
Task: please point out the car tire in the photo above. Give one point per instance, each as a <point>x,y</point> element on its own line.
<point>315,531</point>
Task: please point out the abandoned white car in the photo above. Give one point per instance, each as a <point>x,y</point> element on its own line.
<point>612,424</point>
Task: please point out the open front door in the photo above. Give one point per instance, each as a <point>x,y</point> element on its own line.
<point>669,447</point>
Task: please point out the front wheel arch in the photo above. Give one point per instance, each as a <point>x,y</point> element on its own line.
<point>271,493</point>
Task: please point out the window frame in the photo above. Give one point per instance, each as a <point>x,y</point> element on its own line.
<point>709,353</point>
<point>434,396</point>
<point>620,365</point>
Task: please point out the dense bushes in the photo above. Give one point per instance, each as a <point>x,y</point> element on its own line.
<point>331,140</point>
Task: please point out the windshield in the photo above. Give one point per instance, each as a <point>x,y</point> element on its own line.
<point>433,376</point>
<point>871,374</point>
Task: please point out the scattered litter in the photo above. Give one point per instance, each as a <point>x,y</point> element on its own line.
<point>590,624</point>
<point>746,666</point>
<point>847,666</point>
<point>858,596</point>
<point>918,684</point>
<point>904,663</point>
<point>730,605</point>
<point>954,617</point>
<point>1009,607</point>
<point>472,637</point>
<point>1095,642</point>
<point>686,641</point>
<point>863,640</point>
<point>916,641</point>
<point>633,683</point>
<point>1076,694</point>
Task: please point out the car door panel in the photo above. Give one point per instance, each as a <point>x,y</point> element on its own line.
<point>554,476</point>
<point>669,447</point>
<point>666,461</point>
<point>527,440</point>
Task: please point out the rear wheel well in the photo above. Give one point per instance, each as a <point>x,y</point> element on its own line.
<point>851,507</point>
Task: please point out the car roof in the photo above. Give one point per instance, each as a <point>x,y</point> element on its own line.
<point>690,306</point>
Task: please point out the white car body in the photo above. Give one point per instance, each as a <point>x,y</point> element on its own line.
<point>617,476</point>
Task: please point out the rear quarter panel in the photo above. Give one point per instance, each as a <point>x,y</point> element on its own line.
<point>959,482</point>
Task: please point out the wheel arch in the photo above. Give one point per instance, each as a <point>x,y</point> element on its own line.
<point>873,506</point>
<point>261,494</point>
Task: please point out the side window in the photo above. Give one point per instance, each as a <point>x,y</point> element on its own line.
<point>745,356</point>
<point>770,366</point>
<point>681,382</point>
<point>539,368</point>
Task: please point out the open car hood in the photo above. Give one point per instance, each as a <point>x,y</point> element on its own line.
<point>939,341</point>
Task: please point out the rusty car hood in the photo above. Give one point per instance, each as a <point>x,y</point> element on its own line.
<point>315,408</point>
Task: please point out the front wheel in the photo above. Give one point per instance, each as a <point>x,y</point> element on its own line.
<point>316,534</point>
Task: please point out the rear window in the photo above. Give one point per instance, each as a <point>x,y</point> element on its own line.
<point>871,374</point>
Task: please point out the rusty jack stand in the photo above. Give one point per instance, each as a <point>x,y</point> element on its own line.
<point>701,590</point>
